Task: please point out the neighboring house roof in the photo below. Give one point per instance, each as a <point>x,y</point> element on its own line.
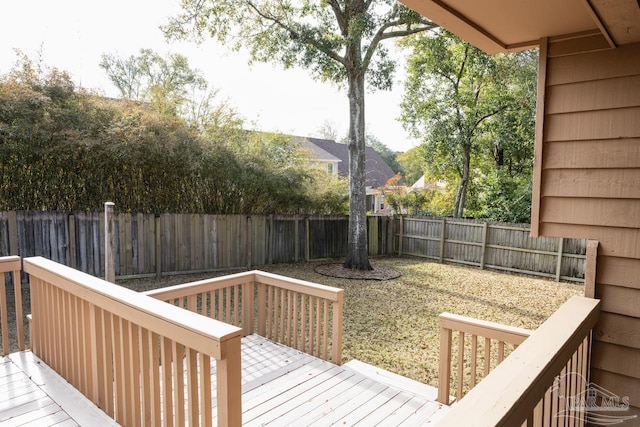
<point>377,171</point>
<point>316,152</point>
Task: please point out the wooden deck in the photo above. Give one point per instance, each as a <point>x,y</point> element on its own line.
<point>280,386</point>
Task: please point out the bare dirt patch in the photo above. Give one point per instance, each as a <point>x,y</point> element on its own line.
<point>379,272</point>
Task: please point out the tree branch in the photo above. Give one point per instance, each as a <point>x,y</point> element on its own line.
<point>381,34</point>
<point>486,116</point>
<point>295,34</point>
<point>340,17</point>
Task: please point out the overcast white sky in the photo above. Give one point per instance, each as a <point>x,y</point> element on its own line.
<point>74,34</point>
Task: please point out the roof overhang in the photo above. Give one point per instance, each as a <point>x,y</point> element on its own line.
<point>510,25</point>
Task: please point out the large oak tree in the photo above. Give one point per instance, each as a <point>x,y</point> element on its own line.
<point>338,41</point>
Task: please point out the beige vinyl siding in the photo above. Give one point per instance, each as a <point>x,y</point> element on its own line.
<point>589,186</point>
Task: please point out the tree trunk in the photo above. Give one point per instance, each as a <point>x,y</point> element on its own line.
<point>358,248</point>
<point>461,196</point>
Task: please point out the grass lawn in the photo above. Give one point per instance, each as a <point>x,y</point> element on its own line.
<point>394,324</point>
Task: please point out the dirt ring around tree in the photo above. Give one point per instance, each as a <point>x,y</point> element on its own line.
<point>378,272</point>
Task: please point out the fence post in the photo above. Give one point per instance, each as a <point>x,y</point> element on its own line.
<point>249,242</point>
<point>307,232</point>
<point>158,247</point>
<point>400,238</point>
<point>270,242</point>
<point>559,264</point>
<point>109,242</point>
<point>12,217</point>
<point>442,234</point>
<point>296,243</point>
<point>72,241</point>
<point>590,269</point>
<point>484,244</point>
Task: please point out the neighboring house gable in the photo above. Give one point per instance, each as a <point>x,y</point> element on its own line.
<point>422,184</point>
<point>320,158</point>
<point>377,171</point>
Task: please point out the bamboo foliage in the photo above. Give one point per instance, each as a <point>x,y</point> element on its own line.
<point>65,149</point>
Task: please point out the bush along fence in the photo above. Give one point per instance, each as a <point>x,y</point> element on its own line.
<point>147,245</point>
<point>500,246</point>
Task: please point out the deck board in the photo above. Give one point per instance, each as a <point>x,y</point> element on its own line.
<point>280,386</point>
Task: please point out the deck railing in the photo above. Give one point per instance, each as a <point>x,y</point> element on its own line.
<point>11,265</point>
<point>303,315</point>
<point>140,360</point>
<point>475,357</point>
<point>540,382</point>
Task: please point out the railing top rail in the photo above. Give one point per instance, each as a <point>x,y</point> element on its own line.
<point>256,276</point>
<point>309,288</point>
<point>510,392</point>
<point>188,328</point>
<point>190,288</point>
<point>9,263</point>
<point>484,328</point>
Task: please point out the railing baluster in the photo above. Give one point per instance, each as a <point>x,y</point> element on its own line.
<point>459,391</point>
<point>205,390</point>
<point>192,387</point>
<point>289,338</point>
<point>167,395</point>
<point>547,413</point>
<point>487,356</point>
<point>178,382</point>
<point>474,360</point>
<point>236,304</point>
<point>318,327</point>
<point>295,320</point>
<point>283,315</point>
<point>227,317</point>
<point>325,329</point>
<point>303,321</point>
<point>312,326</point>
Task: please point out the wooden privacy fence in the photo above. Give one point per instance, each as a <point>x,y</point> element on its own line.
<point>498,246</point>
<point>148,245</point>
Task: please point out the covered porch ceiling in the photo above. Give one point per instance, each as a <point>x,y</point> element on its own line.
<point>508,25</point>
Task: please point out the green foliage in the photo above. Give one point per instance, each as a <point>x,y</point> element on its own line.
<point>506,198</point>
<point>471,109</point>
<point>169,85</point>
<point>414,163</point>
<point>63,149</point>
<point>317,35</point>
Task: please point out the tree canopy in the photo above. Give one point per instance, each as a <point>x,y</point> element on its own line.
<point>474,113</point>
<point>338,41</point>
